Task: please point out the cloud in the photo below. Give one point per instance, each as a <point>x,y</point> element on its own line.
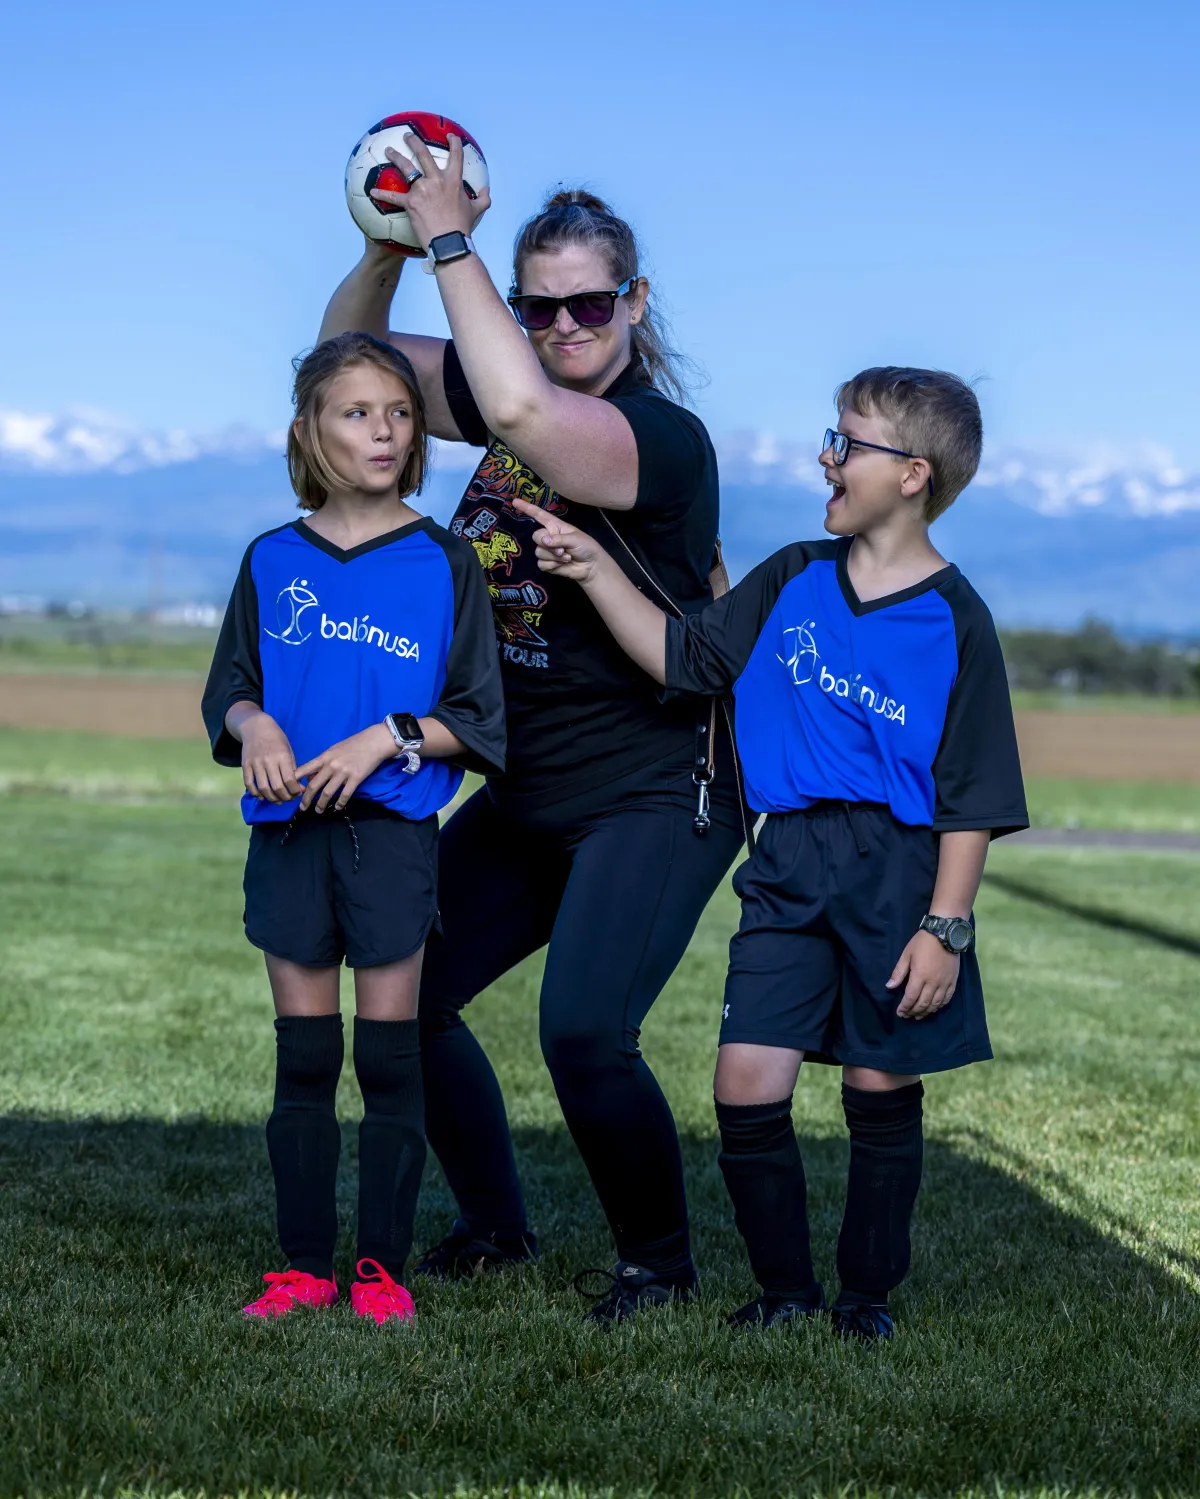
<point>1145,483</point>
<point>92,441</point>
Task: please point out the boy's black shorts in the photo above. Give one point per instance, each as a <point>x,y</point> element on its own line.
<point>359,885</point>
<point>830,898</point>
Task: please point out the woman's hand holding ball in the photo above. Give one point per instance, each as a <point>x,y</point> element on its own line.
<point>436,201</point>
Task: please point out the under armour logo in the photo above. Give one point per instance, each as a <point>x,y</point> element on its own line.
<point>725,1013</point>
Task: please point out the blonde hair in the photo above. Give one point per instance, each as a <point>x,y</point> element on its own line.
<point>932,414</point>
<point>310,471</point>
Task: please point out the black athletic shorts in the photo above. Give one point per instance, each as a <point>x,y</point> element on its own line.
<point>359,885</point>
<point>830,898</point>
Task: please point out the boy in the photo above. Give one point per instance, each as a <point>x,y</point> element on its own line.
<point>876,733</point>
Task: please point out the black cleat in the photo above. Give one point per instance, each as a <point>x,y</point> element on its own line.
<point>778,1311</point>
<point>462,1254</point>
<point>862,1321</point>
<point>631,1289</point>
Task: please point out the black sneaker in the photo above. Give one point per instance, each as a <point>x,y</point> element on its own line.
<point>630,1289</point>
<point>777,1311</point>
<point>862,1321</point>
<point>461,1254</point>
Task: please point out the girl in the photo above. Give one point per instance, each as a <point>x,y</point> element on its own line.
<point>591,841</point>
<point>357,643</point>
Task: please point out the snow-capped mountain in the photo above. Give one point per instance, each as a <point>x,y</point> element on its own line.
<point>94,510</point>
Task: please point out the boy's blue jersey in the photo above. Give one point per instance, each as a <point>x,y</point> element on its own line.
<point>329,642</point>
<point>901,700</point>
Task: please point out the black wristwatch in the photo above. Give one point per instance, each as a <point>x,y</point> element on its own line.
<point>409,741</point>
<point>444,248</point>
<point>955,934</point>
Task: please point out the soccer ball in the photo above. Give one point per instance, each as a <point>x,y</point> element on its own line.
<point>369,168</point>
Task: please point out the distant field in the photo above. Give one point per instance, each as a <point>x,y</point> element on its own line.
<point>81,648</point>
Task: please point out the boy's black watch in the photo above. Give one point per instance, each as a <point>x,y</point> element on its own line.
<point>955,934</point>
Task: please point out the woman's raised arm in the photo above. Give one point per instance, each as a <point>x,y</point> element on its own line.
<point>580,446</point>
<point>363,303</point>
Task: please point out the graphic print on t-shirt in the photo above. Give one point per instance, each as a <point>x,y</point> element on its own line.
<point>484,518</point>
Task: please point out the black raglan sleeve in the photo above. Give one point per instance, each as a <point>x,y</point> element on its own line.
<point>673,448</point>
<point>977,771</point>
<point>467,416</point>
<point>707,652</point>
<point>236,672</point>
<point>471,703</point>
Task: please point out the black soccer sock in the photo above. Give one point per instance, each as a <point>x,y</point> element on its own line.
<point>391,1138</point>
<point>886,1152</point>
<point>764,1175</point>
<point>303,1138</point>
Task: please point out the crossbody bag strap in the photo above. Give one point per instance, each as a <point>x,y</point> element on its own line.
<point>705,756</point>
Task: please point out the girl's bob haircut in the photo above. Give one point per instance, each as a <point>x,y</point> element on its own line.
<point>311,473</point>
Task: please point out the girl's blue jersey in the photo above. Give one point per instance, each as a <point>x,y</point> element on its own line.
<point>901,700</point>
<point>329,642</point>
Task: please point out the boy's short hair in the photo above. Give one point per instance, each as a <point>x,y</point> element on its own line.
<point>932,414</point>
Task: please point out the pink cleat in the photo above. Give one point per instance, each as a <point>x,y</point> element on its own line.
<point>379,1296</point>
<point>288,1289</point>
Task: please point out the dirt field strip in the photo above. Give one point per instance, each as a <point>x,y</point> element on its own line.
<point>142,707</point>
<point>1111,746</point>
<point>1087,746</point>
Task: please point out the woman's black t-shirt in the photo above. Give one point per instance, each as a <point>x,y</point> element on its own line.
<point>580,713</point>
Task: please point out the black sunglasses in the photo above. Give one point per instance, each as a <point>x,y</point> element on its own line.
<point>590,309</point>
<point>841,443</point>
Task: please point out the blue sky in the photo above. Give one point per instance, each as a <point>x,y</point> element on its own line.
<point>1004,189</point>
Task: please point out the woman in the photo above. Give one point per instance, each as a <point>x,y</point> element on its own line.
<point>588,842</point>
<point>343,846</point>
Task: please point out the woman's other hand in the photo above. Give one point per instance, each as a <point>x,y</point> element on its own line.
<point>436,203</point>
<point>563,549</point>
<point>343,767</point>
<point>268,764</point>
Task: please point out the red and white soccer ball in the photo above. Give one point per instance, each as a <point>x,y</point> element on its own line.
<point>369,168</point>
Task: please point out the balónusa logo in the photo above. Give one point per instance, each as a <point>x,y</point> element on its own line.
<point>289,607</point>
<point>803,661</point>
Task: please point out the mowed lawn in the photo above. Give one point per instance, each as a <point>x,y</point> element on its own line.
<point>1048,1337</point>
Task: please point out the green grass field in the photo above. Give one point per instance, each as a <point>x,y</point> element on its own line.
<point>1049,1335</point>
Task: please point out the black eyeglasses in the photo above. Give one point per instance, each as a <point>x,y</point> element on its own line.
<point>590,309</point>
<point>840,443</point>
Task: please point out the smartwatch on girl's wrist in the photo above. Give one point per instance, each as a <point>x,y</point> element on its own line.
<point>408,739</point>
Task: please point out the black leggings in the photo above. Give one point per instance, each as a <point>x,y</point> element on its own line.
<point>617,894</point>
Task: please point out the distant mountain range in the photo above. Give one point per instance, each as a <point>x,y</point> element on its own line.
<point>95,512</point>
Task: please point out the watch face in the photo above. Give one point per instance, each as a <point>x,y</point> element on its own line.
<point>959,936</point>
<point>447,246</point>
<point>408,725</point>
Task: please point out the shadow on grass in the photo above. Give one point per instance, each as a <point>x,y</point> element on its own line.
<point>1035,1348</point>
<point>1117,921</point>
